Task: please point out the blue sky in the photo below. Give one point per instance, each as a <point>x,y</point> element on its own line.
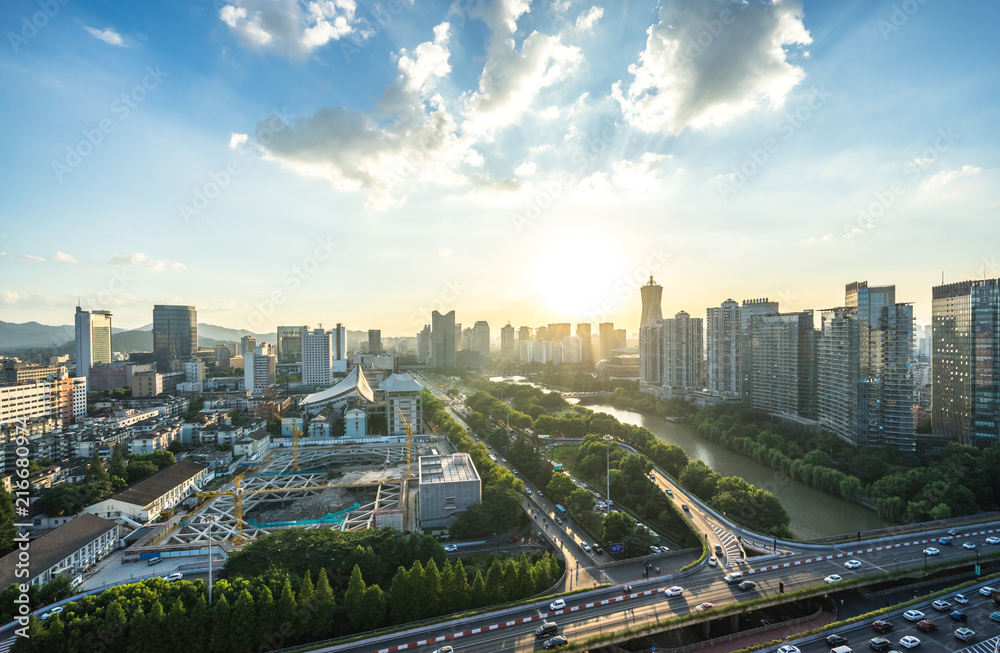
<point>288,162</point>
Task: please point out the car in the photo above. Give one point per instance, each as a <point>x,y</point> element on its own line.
<point>444,649</point>
<point>527,491</point>
<point>670,493</point>
<point>958,615</point>
<point>676,590</point>
<point>879,644</point>
<point>558,604</point>
<point>559,520</point>
<point>788,648</point>
<point>555,642</point>
<point>174,576</point>
<point>993,540</point>
<point>654,549</point>
<point>853,564</point>
<point>451,548</point>
<point>909,641</point>
<point>953,532</point>
<point>986,591</point>
<point>685,508</point>
<point>882,626</point>
<point>512,538</point>
<point>53,611</point>
<point>931,551</point>
<point>995,616</point>
<point>941,606</point>
<point>927,625</point>
<point>965,634</point>
<point>913,615</point>
<point>733,578</point>
<point>832,578</point>
<point>712,561</point>
<point>969,545</point>
<point>503,460</point>
<point>747,586</point>
<point>540,493</point>
<point>836,640</point>
<point>960,598</point>
<point>547,629</point>
<point>944,540</point>
<point>586,547</point>
<point>708,605</point>
<point>718,550</point>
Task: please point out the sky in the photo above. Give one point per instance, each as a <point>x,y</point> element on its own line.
<point>291,162</point>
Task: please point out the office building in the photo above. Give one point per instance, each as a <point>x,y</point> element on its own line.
<point>606,331</point>
<point>248,344</point>
<point>508,344</point>
<point>92,339</point>
<point>424,345</point>
<point>339,343</point>
<point>447,486</point>
<point>481,338</point>
<point>259,369</point>
<point>317,357</point>
<point>586,343</point>
<point>289,344</point>
<point>12,371</point>
<point>723,340</point>
<point>443,332</point>
<point>175,332</point>
<point>782,364</point>
<point>965,361</point>
<point>375,341</point>
<point>652,294</point>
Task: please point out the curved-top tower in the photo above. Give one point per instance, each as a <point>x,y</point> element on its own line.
<point>652,293</point>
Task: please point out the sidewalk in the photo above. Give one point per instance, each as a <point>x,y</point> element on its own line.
<point>111,570</point>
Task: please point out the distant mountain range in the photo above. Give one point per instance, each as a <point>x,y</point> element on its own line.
<point>32,336</point>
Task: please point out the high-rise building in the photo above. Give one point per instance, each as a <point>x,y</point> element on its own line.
<point>965,361</point>
<point>222,356</point>
<point>748,309</point>
<point>248,344</point>
<point>572,349</point>
<point>424,345</point>
<point>782,364</point>
<point>683,352</point>
<point>621,339</point>
<point>317,356</point>
<point>458,336</point>
<point>443,331</point>
<point>508,344</point>
<point>526,351</point>
<point>59,396</point>
<point>339,342</point>
<point>524,334</point>
<point>723,327</point>
<point>375,341</point>
<point>542,333</point>
<point>607,339</point>
<point>175,332</point>
<point>558,331</point>
<point>481,338</point>
<point>838,373</point>
<point>289,341</point>
<point>259,369</point>
<point>93,340</point>
<point>651,357</point>
<point>586,343</point>
<point>652,294</point>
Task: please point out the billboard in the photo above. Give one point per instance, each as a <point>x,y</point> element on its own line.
<point>616,547</point>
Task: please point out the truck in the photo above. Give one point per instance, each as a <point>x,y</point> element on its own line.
<point>560,511</point>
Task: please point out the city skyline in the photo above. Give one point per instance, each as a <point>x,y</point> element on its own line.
<point>250,163</point>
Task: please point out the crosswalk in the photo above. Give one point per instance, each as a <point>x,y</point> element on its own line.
<point>991,645</point>
<point>7,644</point>
<point>729,543</point>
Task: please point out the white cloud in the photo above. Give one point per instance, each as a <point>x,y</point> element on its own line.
<point>28,257</point>
<point>549,113</point>
<point>420,72</point>
<point>586,21</point>
<point>292,27</point>
<point>526,169</point>
<point>178,266</point>
<point>444,252</point>
<point>638,176</point>
<point>235,140</point>
<point>706,63</point>
<point>8,296</point>
<point>947,176</point>
<point>108,35</point>
<point>64,257</point>
<point>138,259</point>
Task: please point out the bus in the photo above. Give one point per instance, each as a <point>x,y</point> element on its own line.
<point>560,510</point>
<point>557,467</point>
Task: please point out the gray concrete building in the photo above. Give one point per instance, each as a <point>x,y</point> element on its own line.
<point>448,485</point>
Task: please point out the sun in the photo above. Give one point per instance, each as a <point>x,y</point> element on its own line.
<point>575,277</point>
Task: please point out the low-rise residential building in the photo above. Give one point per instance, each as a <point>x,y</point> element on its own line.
<point>65,550</point>
<point>252,444</point>
<point>147,499</point>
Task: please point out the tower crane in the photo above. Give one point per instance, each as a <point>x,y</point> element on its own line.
<point>409,442</point>
<point>296,434</point>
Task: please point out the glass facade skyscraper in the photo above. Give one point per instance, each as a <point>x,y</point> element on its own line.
<point>175,332</point>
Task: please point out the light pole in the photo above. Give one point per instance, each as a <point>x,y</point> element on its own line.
<point>498,542</point>
<point>607,451</point>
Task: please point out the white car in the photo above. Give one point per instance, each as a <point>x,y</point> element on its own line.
<point>52,612</point>
<point>941,605</point>
<point>654,549</point>
<point>174,576</point>
<point>931,551</point>
<point>712,561</point>
<point>676,590</point>
<point>788,648</point>
<point>965,634</point>
<point>993,540</point>
<point>444,649</point>
<point>451,548</point>
<point>913,615</point>
<point>969,545</point>
<point>986,591</point>
<point>909,641</point>
<point>960,598</point>
<point>832,578</point>
<point>853,564</point>
<point>586,547</point>
<point>558,604</point>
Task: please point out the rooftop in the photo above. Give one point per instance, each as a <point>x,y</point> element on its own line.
<point>149,490</point>
<point>401,383</point>
<point>447,469</point>
<point>54,546</point>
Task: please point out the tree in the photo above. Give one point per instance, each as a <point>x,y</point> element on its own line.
<point>244,629</point>
<point>699,479</point>
<point>117,467</point>
<point>7,529</point>
<point>140,469</point>
<point>220,624</point>
<point>95,471</point>
<point>354,600</point>
<point>580,501</point>
<point>560,487</point>
<point>324,607</point>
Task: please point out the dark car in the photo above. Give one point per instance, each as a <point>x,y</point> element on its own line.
<point>836,640</point>
<point>718,550</point>
<point>747,585</point>
<point>879,644</point>
<point>958,615</point>
<point>927,625</point>
<point>555,642</point>
<point>547,629</point>
<point>882,626</point>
